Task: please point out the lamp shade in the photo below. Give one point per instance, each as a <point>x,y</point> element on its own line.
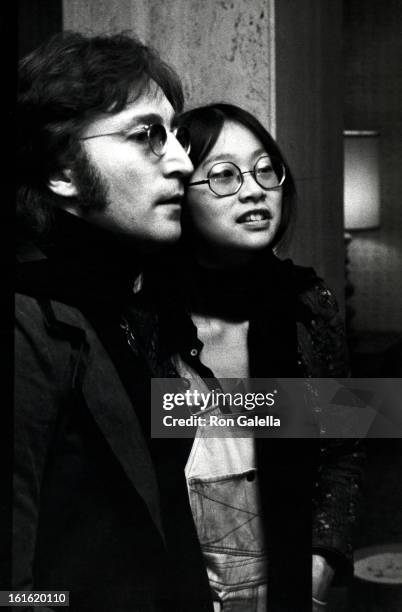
<point>361,180</point>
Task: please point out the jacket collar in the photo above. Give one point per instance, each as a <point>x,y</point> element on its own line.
<point>78,264</point>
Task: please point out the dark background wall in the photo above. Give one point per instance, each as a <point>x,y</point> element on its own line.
<point>373,100</point>
<point>308,100</point>
<point>37,20</point>
<point>372,54</point>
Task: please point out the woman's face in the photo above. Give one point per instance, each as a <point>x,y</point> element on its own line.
<point>241,223</point>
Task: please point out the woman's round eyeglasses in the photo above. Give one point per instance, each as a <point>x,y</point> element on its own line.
<point>156,136</point>
<point>225,178</point>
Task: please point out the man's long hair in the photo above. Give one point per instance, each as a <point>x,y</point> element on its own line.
<point>64,84</point>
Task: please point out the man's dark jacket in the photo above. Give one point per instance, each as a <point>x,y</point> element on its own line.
<point>99,510</point>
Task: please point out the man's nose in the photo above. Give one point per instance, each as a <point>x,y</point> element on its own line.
<point>176,159</point>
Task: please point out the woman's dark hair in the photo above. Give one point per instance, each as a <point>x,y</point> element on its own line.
<point>205,124</point>
<point>63,85</point>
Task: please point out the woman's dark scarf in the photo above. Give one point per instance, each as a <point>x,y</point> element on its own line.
<point>264,291</point>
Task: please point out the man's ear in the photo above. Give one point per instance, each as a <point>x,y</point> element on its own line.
<point>62,183</point>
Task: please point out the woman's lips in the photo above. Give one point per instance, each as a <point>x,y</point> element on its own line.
<point>256,215</point>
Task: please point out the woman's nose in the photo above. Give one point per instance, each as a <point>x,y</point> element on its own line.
<point>250,189</point>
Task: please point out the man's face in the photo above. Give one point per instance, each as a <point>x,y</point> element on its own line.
<point>130,190</point>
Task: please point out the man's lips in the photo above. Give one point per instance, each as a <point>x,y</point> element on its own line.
<point>255,215</point>
<point>174,198</point>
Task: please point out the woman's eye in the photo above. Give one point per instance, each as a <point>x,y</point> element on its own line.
<point>265,170</point>
<point>223,174</point>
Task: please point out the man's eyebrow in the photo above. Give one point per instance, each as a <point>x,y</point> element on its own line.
<point>145,119</point>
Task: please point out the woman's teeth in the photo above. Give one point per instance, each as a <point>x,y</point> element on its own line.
<point>253,216</point>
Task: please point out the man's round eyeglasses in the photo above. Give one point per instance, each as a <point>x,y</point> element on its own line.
<point>225,178</point>
<point>156,136</point>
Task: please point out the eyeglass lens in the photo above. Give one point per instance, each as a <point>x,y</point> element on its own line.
<point>157,136</point>
<point>183,136</point>
<point>225,178</point>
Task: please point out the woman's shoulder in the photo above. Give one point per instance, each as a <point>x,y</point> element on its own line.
<point>319,299</point>
<point>321,332</point>
<point>312,293</point>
